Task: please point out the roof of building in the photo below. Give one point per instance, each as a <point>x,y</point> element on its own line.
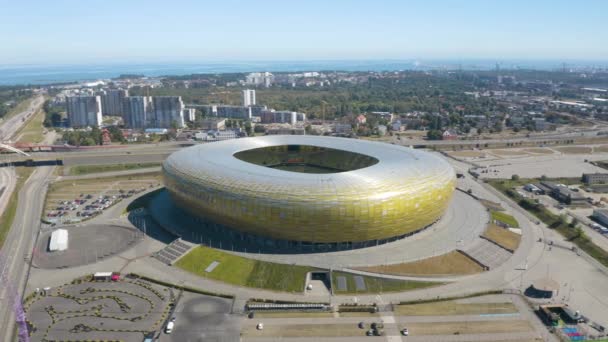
<point>397,165</point>
<point>59,240</point>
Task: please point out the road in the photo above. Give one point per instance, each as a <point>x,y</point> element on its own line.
<point>7,185</point>
<point>19,243</point>
<point>10,127</point>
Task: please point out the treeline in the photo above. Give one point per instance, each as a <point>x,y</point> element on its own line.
<point>92,137</point>
<point>53,115</point>
<point>415,92</point>
<point>10,98</point>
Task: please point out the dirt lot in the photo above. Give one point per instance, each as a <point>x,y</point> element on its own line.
<point>509,152</point>
<point>575,149</point>
<point>482,327</point>
<point>304,330</point>
<point>467,154</point>
<point>538,150</point>
<point>600,148</point>
<point>453,263</point>
<point>454,308</point>
<point>502,236</point>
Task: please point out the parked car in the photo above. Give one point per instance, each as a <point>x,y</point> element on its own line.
<point>405,332</point>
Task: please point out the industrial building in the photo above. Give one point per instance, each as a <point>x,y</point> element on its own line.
<point>595,178</point>
<point>562,193</point>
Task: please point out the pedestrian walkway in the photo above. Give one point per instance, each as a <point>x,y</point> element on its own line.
<point>173,251</point>
<point>488,253</point>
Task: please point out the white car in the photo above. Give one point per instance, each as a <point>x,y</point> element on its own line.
<point>169,327</point>
<point>405,332</point>
<point>260,326</point>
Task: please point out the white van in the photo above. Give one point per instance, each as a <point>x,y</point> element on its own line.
<point>169,327</point>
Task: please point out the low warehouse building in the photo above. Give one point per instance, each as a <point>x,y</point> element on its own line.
<point>601,215</point>
<point>58,240</point>
<point>595,178</point>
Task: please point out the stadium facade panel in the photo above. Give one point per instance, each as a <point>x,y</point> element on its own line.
<point>402,191</point>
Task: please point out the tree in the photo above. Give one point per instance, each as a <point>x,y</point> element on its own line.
<point>96,135</point>
<point>248,128</point>
<point>116,134</point>
<point>574,223</point>
<point>88,142</point>
<point>562,219</point>
<point>514,177</point>
<point>259,129</point>
<point>498,126</point>
<point>434,134</point>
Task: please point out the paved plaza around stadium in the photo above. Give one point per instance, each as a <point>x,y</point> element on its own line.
<point>87,244</point>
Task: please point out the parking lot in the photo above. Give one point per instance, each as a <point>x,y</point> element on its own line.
<point>79,200</point>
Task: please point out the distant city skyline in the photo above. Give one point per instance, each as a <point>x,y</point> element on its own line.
<point>112,31</point>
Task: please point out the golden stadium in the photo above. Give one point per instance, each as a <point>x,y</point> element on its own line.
<point>311,189</point>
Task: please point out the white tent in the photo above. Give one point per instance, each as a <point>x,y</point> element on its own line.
<point>59,240</point>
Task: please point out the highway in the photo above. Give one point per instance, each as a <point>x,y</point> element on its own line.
<point>19,243</point>
<point>150,153</point>
<point>10,127</point>
<point>7,185</point>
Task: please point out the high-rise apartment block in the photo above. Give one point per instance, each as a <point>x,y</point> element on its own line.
<point>168,112</point>
<point>248,97</point>
<point>136,111</point>
<point>282,116</point>
<point>111,102</point>
<point>84,111</point>
<point>259,78</point>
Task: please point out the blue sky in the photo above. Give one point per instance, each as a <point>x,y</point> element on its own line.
<point>91,31</point>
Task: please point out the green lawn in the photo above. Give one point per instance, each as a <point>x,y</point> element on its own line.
<point>6,220</point>
<point>87,169</point>
<point>377,285</point>
<point>505,218</point>
<point>32,132</point>
<point>241,271</point>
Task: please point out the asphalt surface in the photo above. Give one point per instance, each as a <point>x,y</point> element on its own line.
<point>19,243</point>
<point>87,244</point>
<point>579,279</point>
<point>7,185</point>
<point>10,127</point>
<point>203,318</point>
